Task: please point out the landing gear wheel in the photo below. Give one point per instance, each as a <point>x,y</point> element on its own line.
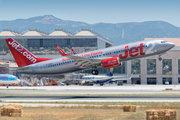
<point>95,72</point>
<point>160,58</point>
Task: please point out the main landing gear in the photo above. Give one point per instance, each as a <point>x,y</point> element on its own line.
<point>95,72</point>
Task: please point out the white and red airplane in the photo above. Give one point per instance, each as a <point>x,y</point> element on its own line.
<point>74,52</point>
<point>107,58</point>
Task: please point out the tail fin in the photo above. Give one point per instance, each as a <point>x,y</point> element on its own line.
<point>61,51</point>
<point>22,56</point>
<point>111,71</point>
<point>134,71</point>
<point>74,52</point>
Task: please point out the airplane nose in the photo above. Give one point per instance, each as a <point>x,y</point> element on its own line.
<point>19,80</point>
<point>171,45</point>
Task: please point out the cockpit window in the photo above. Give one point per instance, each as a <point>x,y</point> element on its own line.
<point>163,41</point>
<point>14,77</point>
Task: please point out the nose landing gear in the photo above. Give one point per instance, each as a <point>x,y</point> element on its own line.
<point>95,72</point>
<point>160,58</point>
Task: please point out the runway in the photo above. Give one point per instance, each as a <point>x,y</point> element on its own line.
<point>137,93</point>
<point>90,98</point>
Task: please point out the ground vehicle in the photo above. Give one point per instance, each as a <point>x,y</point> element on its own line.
<point>120,83</point>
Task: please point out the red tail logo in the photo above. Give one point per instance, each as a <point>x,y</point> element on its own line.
<point>61,51</point>
<point>74,52</point>
<point>22,56</point>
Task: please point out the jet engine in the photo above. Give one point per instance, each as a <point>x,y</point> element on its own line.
<point>111,62</point>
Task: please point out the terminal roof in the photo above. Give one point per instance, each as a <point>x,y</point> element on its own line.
<point>60,33</point>
<point>9,33</point>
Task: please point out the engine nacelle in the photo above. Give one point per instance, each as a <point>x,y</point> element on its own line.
<point>111,62</point>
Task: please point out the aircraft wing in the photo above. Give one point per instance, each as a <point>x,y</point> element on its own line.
<point>84,62</point>
<point>23,68</point>
<point>77,58</point>
<point>120,79</point>
<point>19,68</point>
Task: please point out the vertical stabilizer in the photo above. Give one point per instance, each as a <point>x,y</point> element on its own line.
<point>61,51</point>
<point>22,56</point>
<point>74,52</point>
<point>111,71</point>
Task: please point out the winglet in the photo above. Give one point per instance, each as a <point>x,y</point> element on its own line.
<point>61,51</point>
<point>74,52</point>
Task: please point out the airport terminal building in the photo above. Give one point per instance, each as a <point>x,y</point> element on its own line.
<point>40,43</point>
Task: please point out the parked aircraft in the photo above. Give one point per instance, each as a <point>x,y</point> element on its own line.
<point>74,52</point>
<point>107,58</point>
<point>98,79</point>
<point>8,79</point>
<point>61,51</point>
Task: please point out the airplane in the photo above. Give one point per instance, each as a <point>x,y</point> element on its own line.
<point>94,78</point>
<point>134,71</point>
<point>8,79</point>
<point>97,79</point>
<point>61,51</point>
<point>107,57</point>
<point>74,52</point>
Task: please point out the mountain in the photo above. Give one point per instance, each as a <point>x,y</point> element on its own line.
<point>119,33</point>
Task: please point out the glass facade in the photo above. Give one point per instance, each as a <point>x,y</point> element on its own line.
<point>47,46</point>
<point>136,81</point>
<point>167,66</point>
<point>178,66</point>
<point>178,80</point>
<point>136,66</point>
<point>62,42</point>
<point>4,70</point>
<point>167,81</point>
<point>151,66</point>
<point>151,81</point>
<point>121,69</point>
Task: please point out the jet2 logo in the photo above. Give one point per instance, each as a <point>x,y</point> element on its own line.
<point>20,49</point>
<point>133,52</point>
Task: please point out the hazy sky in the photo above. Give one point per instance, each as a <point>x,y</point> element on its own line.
<point>94,11</point>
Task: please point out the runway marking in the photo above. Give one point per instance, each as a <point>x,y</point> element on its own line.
<point>90,101</point>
